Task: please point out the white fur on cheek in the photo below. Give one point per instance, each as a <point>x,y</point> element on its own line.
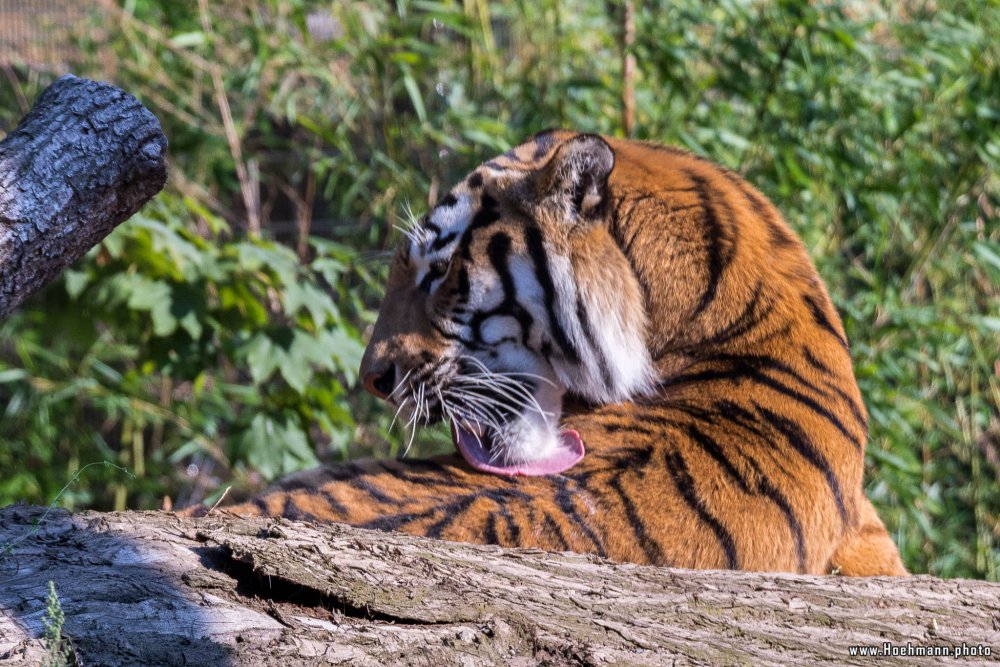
<point>620,333</point>
<point>609,337</point>
<point>451,221</point>
<point>454,218</point>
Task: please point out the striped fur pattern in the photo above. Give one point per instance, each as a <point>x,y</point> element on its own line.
<point>659,306</point>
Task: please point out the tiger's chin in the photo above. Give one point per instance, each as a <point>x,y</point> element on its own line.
<point>529,444</point>
<point>545,452</point>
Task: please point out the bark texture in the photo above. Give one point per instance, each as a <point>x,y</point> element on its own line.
<point>84,159</point>
<point>151,588</point>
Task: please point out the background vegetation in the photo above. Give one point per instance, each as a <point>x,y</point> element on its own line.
<point>214,338</point>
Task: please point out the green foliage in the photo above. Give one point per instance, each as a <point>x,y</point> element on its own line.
<point>180,344</point>
<point>170,345</point>
<point>59,649</point>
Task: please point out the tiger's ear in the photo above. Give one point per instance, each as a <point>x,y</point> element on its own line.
<point>575,180</point>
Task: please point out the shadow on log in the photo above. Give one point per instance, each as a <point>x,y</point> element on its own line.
<point>84,159</point>
<point>151,588</point>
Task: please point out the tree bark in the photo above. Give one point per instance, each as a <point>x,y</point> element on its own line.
<point>151,588</point>
<point>84,159</point>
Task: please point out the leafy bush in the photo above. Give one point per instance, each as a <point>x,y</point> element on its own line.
<point>169,346</point>
<point>187,344</point>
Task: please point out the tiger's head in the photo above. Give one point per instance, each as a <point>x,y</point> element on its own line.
<point>507,296</point>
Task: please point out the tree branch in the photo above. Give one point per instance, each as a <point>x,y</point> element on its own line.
<point>84,159</point>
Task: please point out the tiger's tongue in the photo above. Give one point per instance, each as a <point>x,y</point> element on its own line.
<point>565,456</point>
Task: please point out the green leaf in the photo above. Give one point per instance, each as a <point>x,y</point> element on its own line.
<point>415,97</point>
<point>988,255</point>
<point>262,357</point>
<point>13,375</point>
<point>187,39</point>
<point>76,282</point>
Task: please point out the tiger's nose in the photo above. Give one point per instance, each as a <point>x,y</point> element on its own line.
<point>381,383</point>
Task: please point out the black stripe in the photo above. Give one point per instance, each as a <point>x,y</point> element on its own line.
<point>491,536</point>
<point>626,245</point>
<point>464,286</point>
<point>621,220</point>
<point>714,236</point>
<point>429,278</point>
<point>814,361</point>
<point>412,477</point>
<point>512,155</point>
<point>536,249</point>
<point>782,388</point>
<point>712,448</point>
<point>649,545</point>
<point>442,241</point>
<point>396,521</point>
<point>487,214</point>
<point>475,180</point>
<point>498,250</point>
<point>779,499</point>
<point>615,225</point>
<point>654,414</point>
<point>332,500</point>
<point>564,500</point>
<point>801,443</point>
<point>321,476</point>
<point>821,319</point>
<point>685,486</point>
<point>859,415</point>
<point>762,483</point>
<point>512,530</point>
<point>552,528</point>
<point>858,412</point>
<point>501,496</point>
<point>779,234</point>
<point>736,414</point>
<point>543,143</point>
<point>471,344</point>
<point>727,411</point>
<point>292,511</point>
<point>746,321</point>
<point>750,422</point>
<point>629,428</point>
<point>602,361</point>
<point>751,368</point>
<point>364,484</point>
<point>632,459</point>
<point>259,503</point>
<point>453,511</point>
<point>448,201</point>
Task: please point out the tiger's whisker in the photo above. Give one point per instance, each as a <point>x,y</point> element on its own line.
<point>396,415</point>
<point>517,393</point>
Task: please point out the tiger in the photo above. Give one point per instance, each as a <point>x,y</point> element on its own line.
<point>638,360</point>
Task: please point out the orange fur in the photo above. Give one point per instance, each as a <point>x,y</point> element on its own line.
<point>748,452</point>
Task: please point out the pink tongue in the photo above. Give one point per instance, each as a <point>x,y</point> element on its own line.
<point>568,454</point>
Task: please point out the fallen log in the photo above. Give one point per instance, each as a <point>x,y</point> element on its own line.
<point>152,588</point>
<point>84,159</point>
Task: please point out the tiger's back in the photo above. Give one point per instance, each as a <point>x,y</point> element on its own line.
<point>690,344</point>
